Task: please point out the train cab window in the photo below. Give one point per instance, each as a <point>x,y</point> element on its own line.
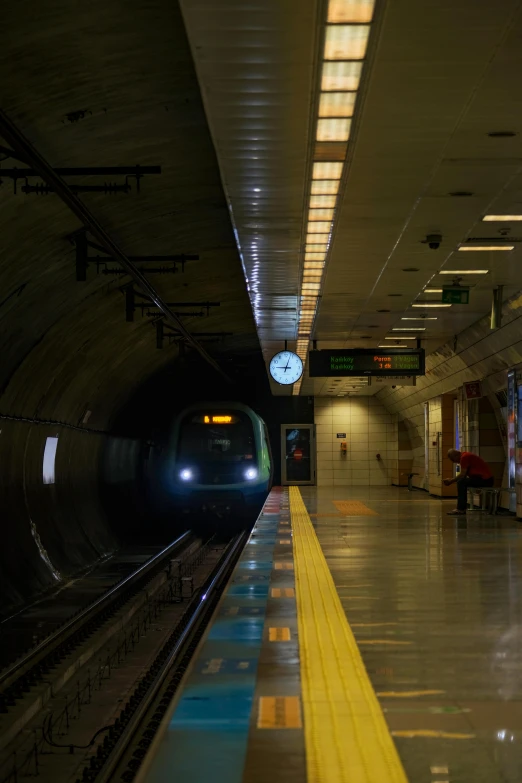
<point>217,437</point>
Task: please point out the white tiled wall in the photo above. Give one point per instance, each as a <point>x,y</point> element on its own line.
<point>370,430</point>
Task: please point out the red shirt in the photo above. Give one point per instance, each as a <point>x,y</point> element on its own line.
<point>476,465</point>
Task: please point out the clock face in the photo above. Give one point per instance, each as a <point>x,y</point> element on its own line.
<point>286,367</point>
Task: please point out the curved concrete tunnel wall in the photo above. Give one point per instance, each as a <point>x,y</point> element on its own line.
<point>477,354</point>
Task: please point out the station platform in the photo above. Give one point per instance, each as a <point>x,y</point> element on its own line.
<point>365,637</point>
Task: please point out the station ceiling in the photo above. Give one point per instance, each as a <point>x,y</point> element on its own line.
<point>434,145</point>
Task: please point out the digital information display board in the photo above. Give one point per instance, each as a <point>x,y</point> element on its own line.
<point>337,362</point>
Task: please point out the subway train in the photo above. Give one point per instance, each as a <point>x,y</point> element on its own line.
<point>220,460</point>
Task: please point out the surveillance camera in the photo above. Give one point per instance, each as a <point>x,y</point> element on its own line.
<point>433,241</point>
<point>394,387</point>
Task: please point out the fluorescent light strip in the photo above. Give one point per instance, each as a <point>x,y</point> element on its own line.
<point>326,187</point>
<point>358,11</point>
<point>395,346</point>
<point>336,129</point>
<point>327,170</point>
<point>501,218</point>
<point>319,227</point>
<point>420,318</point>
<point>337,104</point>
<point>316,202</point>
<point>313,238</point>
<point>315,256</point>
<point>408,329</point>
<point>320,214</point>
<point>320,247</point>
<point>464,272</point>
<point>346,42</point>
<point>341,76</point>
<point>432,291</point>
<point>485,248</point>
<point>402,338</point>
<point>430,304</point>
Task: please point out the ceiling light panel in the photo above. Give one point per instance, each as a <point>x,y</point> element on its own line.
<point>315,256</point>
<point>319,227</point>
<point>327,170</point>
<point>432,291</point>
<point>326,187</point>
<point>464,272</point>
<point>313,265</point>
<point>350,11</point>
<point>341,76</point>
<point>320,214</point>
<point>430,304</point>
<point>402,338</point>
<point>346,42</point>
<point>337,129</point>
<point>501,218</point>
<point>408,329</point>
<point>318,247</point>
<point>317,202</point>
<point>337,104</point>
<point>485,248</point>
<point>313,239</point>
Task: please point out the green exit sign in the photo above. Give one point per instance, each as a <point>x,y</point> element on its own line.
<point>455,295</point>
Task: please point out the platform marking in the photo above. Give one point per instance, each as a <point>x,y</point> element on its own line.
<point>354,508</point>
<point>284,566</point>
<point>347,737</point>
<point>282,592</point>
<point>279,712</point>
<point>279,634</point>
<point>285,541</point>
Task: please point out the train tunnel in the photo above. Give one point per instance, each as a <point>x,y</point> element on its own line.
<point>190,190</point>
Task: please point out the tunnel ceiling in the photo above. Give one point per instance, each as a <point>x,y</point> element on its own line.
<point>108,83</point>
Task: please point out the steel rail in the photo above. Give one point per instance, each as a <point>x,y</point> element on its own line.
<point>71,626</point>
<point>32,157</point>
<point>199,607</point>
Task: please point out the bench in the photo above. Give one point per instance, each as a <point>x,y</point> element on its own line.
<point>489,497</point>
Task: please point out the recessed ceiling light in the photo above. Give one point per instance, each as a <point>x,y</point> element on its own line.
<point>319,227</point>
<point>409,329</point>
<point>464,272</point>
<point>501,218</point>
<point>485,248</point>
<point>327,170</point>
<point>354,11</point>
<point>432,291</point>
<point>430,304</point>
<point>402,338</point>
<point>333,129</point>
<point>338,76</point>
<point>346,42</point>
<point>337,104</point>
<point>407,269</point>
<point>326,187</point>
<point>322,201</point>
<point>320,213</point>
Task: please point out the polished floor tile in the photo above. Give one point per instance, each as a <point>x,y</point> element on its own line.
<point>435,604</point>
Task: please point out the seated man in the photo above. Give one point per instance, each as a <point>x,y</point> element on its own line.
<point>474,472</point>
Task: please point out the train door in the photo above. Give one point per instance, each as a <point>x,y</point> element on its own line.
<point>297,454</point>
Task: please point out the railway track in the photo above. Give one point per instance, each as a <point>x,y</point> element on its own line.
<point>61,704</point>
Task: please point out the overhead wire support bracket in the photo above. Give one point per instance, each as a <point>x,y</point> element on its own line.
<point>163,331</point>
<point>24,148</point>
<point>131,305</point>
<point>82,245</point>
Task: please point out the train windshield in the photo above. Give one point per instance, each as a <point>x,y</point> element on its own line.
<point>217,438</point>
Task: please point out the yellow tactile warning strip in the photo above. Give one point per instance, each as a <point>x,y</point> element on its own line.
<point>347,738</point>
<point>354,508</point>
<point>279,712</point>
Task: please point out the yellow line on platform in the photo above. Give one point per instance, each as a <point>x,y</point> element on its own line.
<point>347,737</point>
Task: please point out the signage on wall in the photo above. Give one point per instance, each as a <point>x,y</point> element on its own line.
<point>338,362</point>
<point>455,294</point>
<point>341,434</point>
<point>473,390</point>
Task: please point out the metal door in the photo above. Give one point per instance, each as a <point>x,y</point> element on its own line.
<point>297,454</point>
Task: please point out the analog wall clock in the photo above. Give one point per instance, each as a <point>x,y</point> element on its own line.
<point>286,367</point>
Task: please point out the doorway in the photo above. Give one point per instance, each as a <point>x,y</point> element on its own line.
<point>297,454</point>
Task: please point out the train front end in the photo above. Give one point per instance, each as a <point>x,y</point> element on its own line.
<point>220,463</point>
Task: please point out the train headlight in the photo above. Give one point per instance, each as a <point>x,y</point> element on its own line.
<point>186,475</point>
<point>251,474</point>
